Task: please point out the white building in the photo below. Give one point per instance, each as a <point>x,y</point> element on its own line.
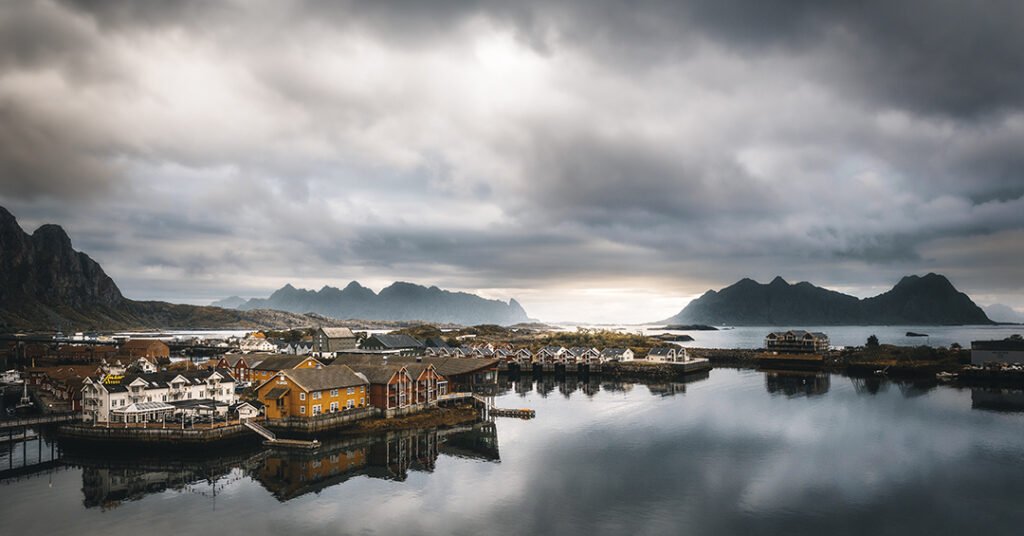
<point>146,397</point>
<point>667,355</point>
<point>617,354</point>
<point>256,344</point>
<point>1008,350</point>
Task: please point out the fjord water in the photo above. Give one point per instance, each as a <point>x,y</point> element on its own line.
<point>753,336</point>
<point>733,452</point>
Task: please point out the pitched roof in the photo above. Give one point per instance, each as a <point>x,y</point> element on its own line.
<point>450,366</point>
<point>613,351</point>
<point>319,379</point>
<point>338,333</point>
<point>375,373</point>
<point>277,362</point>
<point>396,340</point>
<point>661,350</point>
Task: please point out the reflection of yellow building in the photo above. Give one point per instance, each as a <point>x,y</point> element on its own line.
<point>289,478</point>
<point>312,392</point>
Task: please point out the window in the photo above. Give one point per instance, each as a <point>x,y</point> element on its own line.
<point>351,390</point>
<point>334,407</point>
<point>362,401</point>
<point>302,409</point>
<point>334,392</point>
<point>316,409</point>
<point>302,396</point>
<point>316,395</point>
<point>350,403</point>
<point>362,389</point>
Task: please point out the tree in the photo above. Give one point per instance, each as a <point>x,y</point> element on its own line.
<point>872,342</point>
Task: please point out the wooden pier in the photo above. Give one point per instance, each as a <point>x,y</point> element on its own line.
<point>271,439</point>
<point>37,420</point>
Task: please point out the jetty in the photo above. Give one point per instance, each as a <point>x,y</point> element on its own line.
<point>271,439</point>
<point>488,406</point>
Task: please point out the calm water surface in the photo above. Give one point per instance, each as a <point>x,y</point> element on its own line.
<point>736,452</point>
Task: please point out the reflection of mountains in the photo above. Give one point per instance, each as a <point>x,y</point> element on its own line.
<point>108,481</point>
<point>1011,400</point>
<point>797,383</point>
<point>524,384</point>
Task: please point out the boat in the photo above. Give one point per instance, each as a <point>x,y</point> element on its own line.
<point>945,376</point>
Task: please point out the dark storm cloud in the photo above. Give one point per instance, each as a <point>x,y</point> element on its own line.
<point>525,145</point>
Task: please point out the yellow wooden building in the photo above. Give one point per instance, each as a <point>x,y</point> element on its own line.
<point>309,392</point>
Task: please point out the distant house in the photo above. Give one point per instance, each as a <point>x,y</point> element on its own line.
<point>616,354</point>
<point>309,392</point>
<point>662,355</point>
<point>1008,350</point>
<point>64,382</point>
<point>268,366</point>
<point>482,351</point>
<point>583,355</point>
<point>550,354</point>
<point>524,356</point>
<point>150,348</point>
<point>240,364</point>
<point>256,342</point>
<point>393,341</point>
<point>328,340</point>
<point>796,341</point>
<point>436,342</point>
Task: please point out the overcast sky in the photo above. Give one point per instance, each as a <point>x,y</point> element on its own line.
<point>597,160</point>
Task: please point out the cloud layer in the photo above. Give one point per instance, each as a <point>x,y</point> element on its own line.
<point>599,161</point>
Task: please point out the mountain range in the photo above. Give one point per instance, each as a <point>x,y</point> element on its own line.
<point>920,300</point>
<point>46,284</point>
<point>399,301</point>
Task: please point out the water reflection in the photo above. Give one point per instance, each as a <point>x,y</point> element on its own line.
<point>794,383</point>
<point>742,452</point>
<point>591,385</point>
<point>994,399</point>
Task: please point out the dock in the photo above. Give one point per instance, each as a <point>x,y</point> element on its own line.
<point>270,439</point>
<point>488,406</point>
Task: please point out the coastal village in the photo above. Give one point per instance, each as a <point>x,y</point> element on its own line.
<point>310,382</point>
<point>288,387</point>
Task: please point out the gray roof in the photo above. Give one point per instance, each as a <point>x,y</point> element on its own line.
<point>395,340</point>
<point>375,373</point>
<point>319,379</point>
<point>163,379</point>
<point>613,351</point>
<point>450,366</point>
<point>661,350</point>
<point>338,333</point>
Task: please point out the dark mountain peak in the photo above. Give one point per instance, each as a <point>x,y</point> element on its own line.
<point>7,219</point>
<point>354,285</point>
<point>928,300</point>
<point>52,237</point>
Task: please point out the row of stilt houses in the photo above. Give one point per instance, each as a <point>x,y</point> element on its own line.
<point>556,358</point>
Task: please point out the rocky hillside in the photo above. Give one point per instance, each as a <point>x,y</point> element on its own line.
<point>928,300</point>
<point>45,284</point>
<point>398,302</point>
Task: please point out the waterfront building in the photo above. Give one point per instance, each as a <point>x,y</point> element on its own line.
<point>309,392</point>
<point>662,355</point>
<point>117,398</point>
<point>330,340</point>
<point>436,342</point>
<point>616,354</point>
<point>524,356</point>
<point>797,341</point>
<point>550,354</point>
<point>85,353</point>
<point>390,386</point>
<point>268,365</point>
<point>1008,350</point>
<point>393,341</point>
<point>63,382</point>
<point>153,349</point>
<point>583,355</point>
